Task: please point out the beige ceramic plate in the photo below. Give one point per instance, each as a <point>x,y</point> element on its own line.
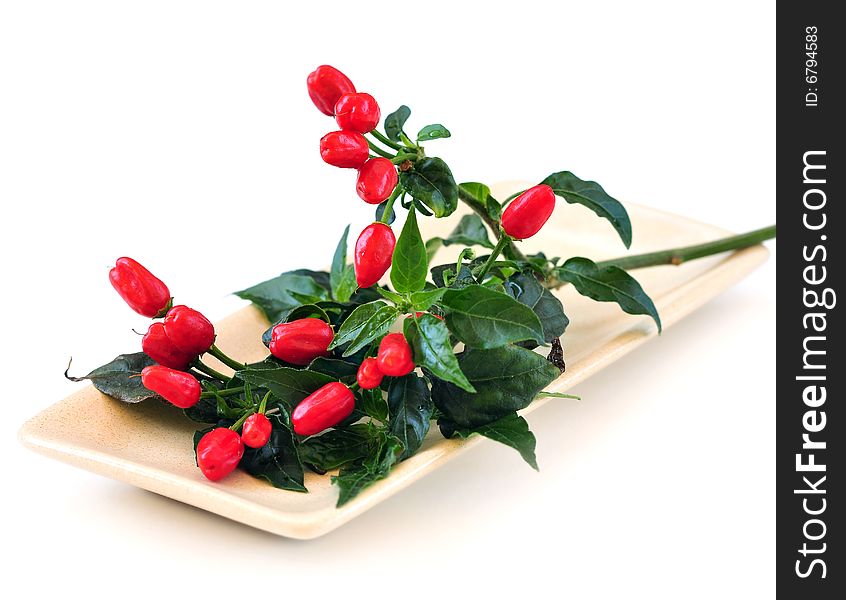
<point>150,445</point>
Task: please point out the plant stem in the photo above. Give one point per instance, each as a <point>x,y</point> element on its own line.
<point>385,140</point>
<point>503,241</point>
<point>468,199</point>
<point>677,256</point>
<point>237,424</point>
<point>226,392</point>
<point>202,368</point>
<point>402,157</point>
<point>389,207</point>
<point>229,362</point>
<point>379,151</point>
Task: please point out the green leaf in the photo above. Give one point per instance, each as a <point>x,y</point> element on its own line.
<point>591,195</point>
<point>342,275</point>
<point>431,182</point>
<point>484,318</point>
<point>277,461</point>
<point>428,337</point>
<point>471,231</point>
<point>608,284</point>
<point>506,379</point>
<point>120,379</point>
<point>526,289</point>
<point>424,299</point>
<point>410,409</point>
<point>373,404</point>
<point>395,121</point>
<point>462,280</point>
<point>287,384</point>
<point>341,370</point>
<point>365,324</point>
<point>278,295</point>
<point>409,263</point>
<point>433,132</point>
<point>355,323</point>
<point>353,479</point>
<point>478,196</point>
<point>338,447</point>
<point>511,430</point>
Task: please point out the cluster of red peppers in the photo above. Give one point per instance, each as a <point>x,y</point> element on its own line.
<point>177,342</point>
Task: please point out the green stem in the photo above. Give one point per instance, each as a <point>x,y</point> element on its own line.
<point>237,424</point>
<point>225,392</point>
<point>468,199</point>
<point>222,357</point>
<point>407,141</point>
<point>378,150</point>
<point>389,207</point>
<point>504,240</point>
<point>202,368</point>
<point>677,256</point>
<point>402,157</point>
<point>385,140</point>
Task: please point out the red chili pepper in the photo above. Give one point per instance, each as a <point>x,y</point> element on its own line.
<point>177,387</point>
<point>300,342</point>
<point>395,357</point>
<point>357,112</point>
<point>158,346</point>
<point>345,149</point>
<point>373,252</point>
<point>322,409</point>
<point>145,293</point>
<point>369,376</point>
<point>527,213</point>
<point>256,431</point>
<point>189,330</point>
<point>219,452</point>
<point>376,180</point>
<point>326,85</point>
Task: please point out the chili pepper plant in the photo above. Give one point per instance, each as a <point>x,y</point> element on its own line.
<point>358,372</point>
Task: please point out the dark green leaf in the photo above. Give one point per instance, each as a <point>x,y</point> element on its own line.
<point>364,325</point>
<point>121,378</point>
<point>204,411</point>
<point>506,379</point>
<point>462,280</point>
<point>395,121</point>
<point>591,195</point>
<point>353,479</point>
<point>511,430</point>
<point>338,447</point>
<point>424,299</point>
<point>484,318</point>
<point>287,384</point>
<point>428,337</point>
<point>608,284</point>
<point>471,231</point>
<point>277,461</point>
<point>341,370</point>
<point>409,263</point>
<point>410,408</point>
<point>392,296</point>
<point>278,295</point>
<point>380,211</point>
<point>431,182</point>
<point>433,132</point>
<point>526,289</point>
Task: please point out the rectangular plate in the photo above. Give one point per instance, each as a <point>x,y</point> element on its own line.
<point>149,445</point>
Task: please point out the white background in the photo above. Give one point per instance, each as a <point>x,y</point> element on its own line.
<point>181,134</point>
